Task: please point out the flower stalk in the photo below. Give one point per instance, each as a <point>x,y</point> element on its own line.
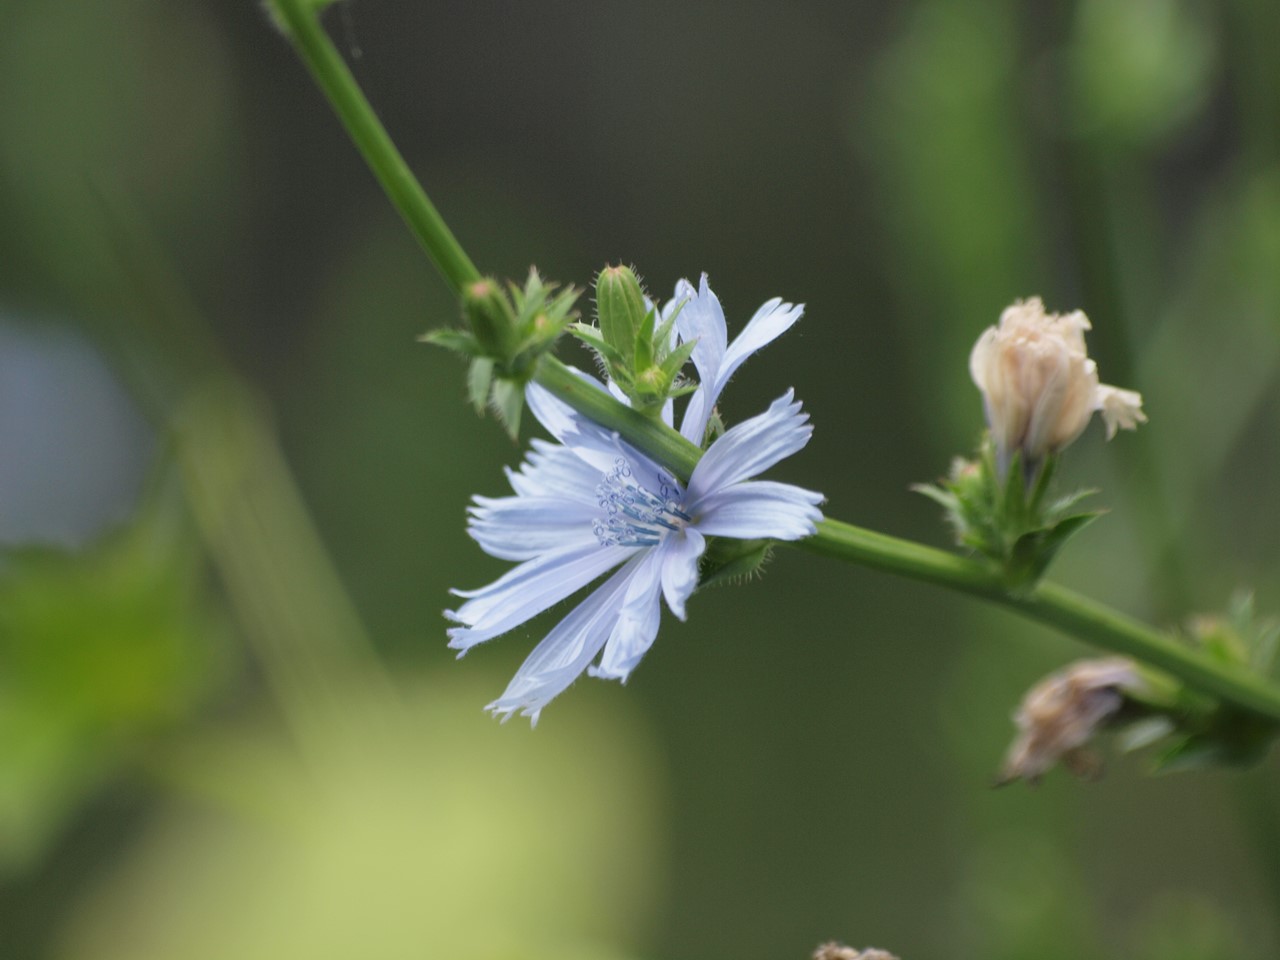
<point>299,20</point>
<point>1045,602</point>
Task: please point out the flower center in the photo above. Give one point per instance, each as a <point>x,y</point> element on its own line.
<point>634,515</point>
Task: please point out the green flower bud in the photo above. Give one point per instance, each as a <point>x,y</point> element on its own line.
<point>620,310</point>
<point>488,313</point>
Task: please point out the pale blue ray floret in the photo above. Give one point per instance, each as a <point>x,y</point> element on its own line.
<point>592,502</point>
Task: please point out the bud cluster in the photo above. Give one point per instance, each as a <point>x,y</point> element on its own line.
<point>1019,528</point>
<point>507,331</point>
<point>635,342</point>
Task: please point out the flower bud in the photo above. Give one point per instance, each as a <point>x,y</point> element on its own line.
<point>1039,387</point>
<point>489,316</point>
<point>621,310</point>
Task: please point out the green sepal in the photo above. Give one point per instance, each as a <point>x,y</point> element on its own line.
<point>1004,517</point>
<point>479,379</point>
<point>644,352</point>
<point>591,337</point>
<point>1240,740</point>
<point>507,401</point>
<point>715,428</point>
<point>732,561</point>
<point>676,359</point>
<point>459,341</point>
<point>1034,551</point>
<point>662,336</point>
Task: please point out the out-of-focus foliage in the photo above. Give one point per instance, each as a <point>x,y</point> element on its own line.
<point>102,652</point>
<point>417,828</point>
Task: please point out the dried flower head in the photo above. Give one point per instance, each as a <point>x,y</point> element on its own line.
<point>1039,386</point>
<point>1062,713</point>
<point>838,951</point>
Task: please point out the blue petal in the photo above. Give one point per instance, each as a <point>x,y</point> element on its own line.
<point>702,319</point>
<point>750,448</point>
<point>521,528</point>
<point>716,363</point>
<point>552,470</point>
<point>525,591</point>
<point>773,319</point>
<point>680,554</point>
<point>585,438</point>
<point>565,652</point>
<point>637,624</point>
<point>590,442</point>
<point>759,508</point>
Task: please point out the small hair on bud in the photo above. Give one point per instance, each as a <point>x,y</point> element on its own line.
<point>838,951</point>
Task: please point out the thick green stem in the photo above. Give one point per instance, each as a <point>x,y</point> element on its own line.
<point>406,194</point>
<point>1046,603</point>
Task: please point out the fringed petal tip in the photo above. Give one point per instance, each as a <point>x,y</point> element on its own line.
<point>505,711</point>
<point>603,673</point>
<point>457,640</point>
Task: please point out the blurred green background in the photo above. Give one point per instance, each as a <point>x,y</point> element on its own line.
<point>207,323</point>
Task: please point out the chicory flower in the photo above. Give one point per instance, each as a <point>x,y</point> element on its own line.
<point>591,503</point>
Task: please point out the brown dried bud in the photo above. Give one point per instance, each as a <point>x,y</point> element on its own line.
<point>1062,713</point>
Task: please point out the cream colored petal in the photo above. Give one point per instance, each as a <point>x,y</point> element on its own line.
<point>1121,409</point>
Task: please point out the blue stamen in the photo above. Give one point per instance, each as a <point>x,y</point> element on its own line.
<point>635,516</point>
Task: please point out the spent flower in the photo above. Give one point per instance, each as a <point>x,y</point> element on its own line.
<point>591,503</point>
<point>1062,714</point>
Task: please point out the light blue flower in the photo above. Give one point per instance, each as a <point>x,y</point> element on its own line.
<point>592,503</point>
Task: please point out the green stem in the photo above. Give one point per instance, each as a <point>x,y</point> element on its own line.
<point>357,115</point>
<point>649,436</point>
<point>1047,603</point>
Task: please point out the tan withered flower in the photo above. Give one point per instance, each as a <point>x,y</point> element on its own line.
<point>1039,386</point>
<point>838,951</point>
<point>1062,713</point>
